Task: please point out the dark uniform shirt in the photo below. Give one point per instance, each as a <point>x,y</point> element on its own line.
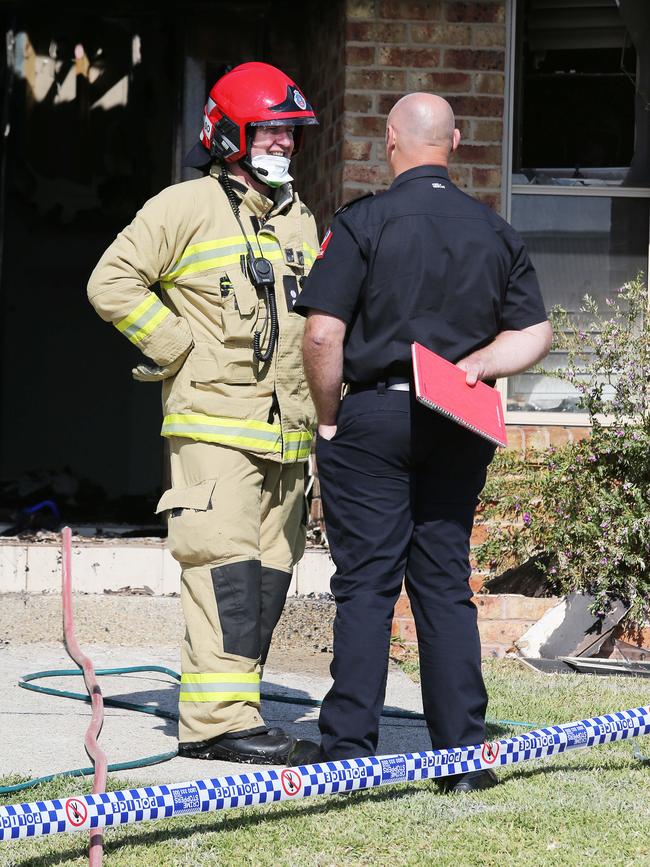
<point>421,262</point>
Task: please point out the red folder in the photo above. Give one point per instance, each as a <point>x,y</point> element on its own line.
<point>441,385</point>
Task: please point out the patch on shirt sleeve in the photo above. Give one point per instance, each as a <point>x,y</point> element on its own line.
<point>323,246</point>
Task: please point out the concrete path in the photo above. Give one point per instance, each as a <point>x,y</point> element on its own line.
<point>43,734</point>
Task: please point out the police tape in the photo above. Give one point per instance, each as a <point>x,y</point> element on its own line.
<point>110,809</point>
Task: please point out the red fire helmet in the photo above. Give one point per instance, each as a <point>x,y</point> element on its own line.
<point>252,94</point>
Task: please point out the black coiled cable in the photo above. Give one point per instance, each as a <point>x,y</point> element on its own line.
<point>271,306</point>
<point>269,292</point>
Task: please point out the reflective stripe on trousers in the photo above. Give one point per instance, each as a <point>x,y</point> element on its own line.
<point>215,686</point>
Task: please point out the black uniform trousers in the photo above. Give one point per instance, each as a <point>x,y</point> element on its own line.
<point>400,484</point>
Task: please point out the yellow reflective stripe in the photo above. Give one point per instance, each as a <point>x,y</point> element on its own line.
<point>220,696</point>
<point>219,262</point>
<point>214,677</point>
<point>297,446</point>
<point>216,254</point>
<point>309,253</point>
<point>205,686</point>
<point>151,325</point>
<point>144,319</point>
<point>246,433</point>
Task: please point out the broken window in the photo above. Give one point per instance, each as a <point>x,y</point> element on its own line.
<point>580,180</point>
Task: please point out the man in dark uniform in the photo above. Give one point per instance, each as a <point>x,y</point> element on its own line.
<point>421,262</point>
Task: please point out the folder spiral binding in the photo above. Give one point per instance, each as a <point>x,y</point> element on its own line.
<point>442,386</point>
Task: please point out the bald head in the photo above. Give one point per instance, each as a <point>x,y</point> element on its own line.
<point>420,131</point>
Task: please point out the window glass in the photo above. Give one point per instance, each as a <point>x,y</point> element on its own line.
<point>579,245</point>
<point>582,104</point>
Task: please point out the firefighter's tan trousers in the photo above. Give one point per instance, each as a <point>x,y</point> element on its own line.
<point>237,527</point>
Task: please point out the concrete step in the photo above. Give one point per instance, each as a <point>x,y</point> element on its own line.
<point>110,564</point>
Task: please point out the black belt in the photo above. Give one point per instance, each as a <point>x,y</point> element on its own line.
<point>391,383</point>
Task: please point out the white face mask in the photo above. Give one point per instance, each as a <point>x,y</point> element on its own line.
<point>277,168</point>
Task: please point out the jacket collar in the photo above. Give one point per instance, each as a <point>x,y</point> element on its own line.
<point>421,172</point>
<point>257,203</point>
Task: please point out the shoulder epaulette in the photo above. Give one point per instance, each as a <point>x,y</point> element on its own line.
<point>351,202</point>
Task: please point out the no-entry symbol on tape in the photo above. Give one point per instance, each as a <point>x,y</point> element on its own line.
<point>76,811</point>
<point>291,782</point>
<point>490,752</point>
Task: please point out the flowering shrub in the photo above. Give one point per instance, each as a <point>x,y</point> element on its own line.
<point>581,513</point>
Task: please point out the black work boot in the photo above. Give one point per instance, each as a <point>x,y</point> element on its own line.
<point>472,781</point>
<point>260,746</point>
<point>305,752</point>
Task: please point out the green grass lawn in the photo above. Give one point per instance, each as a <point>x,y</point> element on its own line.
<point>587,807</point>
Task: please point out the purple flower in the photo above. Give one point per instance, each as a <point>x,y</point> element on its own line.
<point>526,518</point>
<point>604,561</point>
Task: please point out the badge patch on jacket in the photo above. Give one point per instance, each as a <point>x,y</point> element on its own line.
<point>323,246</point>
<point>290,290</point>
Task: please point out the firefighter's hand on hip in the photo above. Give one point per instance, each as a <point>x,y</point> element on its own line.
<point>147,371</point>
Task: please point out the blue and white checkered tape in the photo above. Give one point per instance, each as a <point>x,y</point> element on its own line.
<point>262,787</point>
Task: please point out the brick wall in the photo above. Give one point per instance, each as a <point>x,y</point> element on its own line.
<point>502,619</point>
<point>319,168</point>
<point>454,49</point>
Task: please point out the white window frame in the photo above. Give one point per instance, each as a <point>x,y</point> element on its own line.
<point>513,417</point>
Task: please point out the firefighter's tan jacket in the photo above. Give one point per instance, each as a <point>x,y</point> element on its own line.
<point>188,240</point>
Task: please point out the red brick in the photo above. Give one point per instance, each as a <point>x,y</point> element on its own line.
<point>559,436</point>
<point>394,629</point>
<point>460,175</point>
<point>442,34</point>
<point>477,106</point>
<point>316,510</point>
<point>502,631</point>
<point>476,582</point>
<point>489,82</point>
<point>489,607</point>
<point>375,31</point>
<point>358,102</point>
<point>365,174</point>
<point>516,438</point>
<point>376,79</point>
<point>356,149</point>
<point>488,37</point>
<point>518,607</point>
<point>406,630</point>
<point>388,55</point>
<point>483,154</point>
<point>352,191</point>
<point>638,636</point>
<point>476,12</point>
<point>439,82</point>
<point>488,130</point>
<point>403,607</point>
<point>486,178</point>
<point>360,55</point>
<point>537,438</point>
<point>365,125</point>
<point>408,10</point>
<point>360,9</point>
<point>479,534</point>
<point>492,651</point>
<point>386,101</point>
<point>466,58</point>
<point>492,200</point>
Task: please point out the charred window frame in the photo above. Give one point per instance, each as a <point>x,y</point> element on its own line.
<point>576,163</point>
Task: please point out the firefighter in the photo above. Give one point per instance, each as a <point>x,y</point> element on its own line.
<point>229,251</point>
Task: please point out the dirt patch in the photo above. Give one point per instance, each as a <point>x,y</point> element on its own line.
<point>302,640</point>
